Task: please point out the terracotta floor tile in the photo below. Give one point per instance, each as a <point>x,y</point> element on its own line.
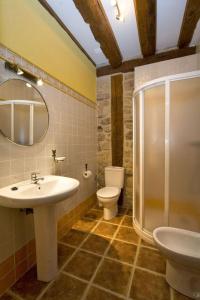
<point>64,252</point>
<point>7,297</point>
<point>94,214</point>
<point>151,259</point>
<point>97,294</point>
<point>96,244</point>
<point>128,235</point>
<point>74,237</point>
<point>96,206</point>
<point>179,296</point>
<point>144,243</point>
<point>122,210</point>
<point>114,276</point>
<point>83,265</point>
<point>105,229</point>
<point>84,225</point>
<point>122,251</point>
<point>148,286</point>
<point>129,212</point>
<point>128,221</point>
<point>116,220</point>
<point>28,287</point>
<point>6,281</point>
<point>65,288</point>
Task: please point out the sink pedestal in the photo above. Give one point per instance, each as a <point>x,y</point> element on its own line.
<point>46,242</point>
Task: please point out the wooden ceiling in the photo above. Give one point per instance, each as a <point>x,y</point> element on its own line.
<point>93,14</point>
<point>145,11</point>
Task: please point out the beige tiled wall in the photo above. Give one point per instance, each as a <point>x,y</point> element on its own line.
<point>72,132</point>
<point>165,68</point>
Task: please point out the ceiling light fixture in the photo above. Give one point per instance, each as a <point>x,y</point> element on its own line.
<point>118,14</point>
<point>39,82</point>
<point>28,85</point>
<point>113,2</point>
<point>19,71</point>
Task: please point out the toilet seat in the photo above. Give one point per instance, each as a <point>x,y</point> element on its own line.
<point>108,193</point>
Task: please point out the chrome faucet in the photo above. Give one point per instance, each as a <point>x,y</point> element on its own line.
<point>34,178</point>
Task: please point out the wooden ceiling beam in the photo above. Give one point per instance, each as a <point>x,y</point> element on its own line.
<point>145,11</point>
<point>129,66</point>
<point>45,4</point>
<point>93,14</point>
<point>190,20</point>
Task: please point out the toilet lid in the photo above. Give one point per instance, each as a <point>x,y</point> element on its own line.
<point>108,192</point>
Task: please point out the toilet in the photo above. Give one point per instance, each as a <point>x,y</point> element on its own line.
<point>109,195</point>
<point>182,251</point>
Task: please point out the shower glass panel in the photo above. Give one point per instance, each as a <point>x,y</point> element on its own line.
<point>137,159</point>
<point>167,154</point>
<point>184,189</point>
<point>21,124</point>
<point>154,156</point>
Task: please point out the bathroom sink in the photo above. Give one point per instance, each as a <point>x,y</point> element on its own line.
<point>42,196</point>
<point>50,190</point>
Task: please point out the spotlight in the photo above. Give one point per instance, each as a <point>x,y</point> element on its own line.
<point>28,85</point>
<point>19,71</point>
<point>113,2</point>
<point>39,82</point>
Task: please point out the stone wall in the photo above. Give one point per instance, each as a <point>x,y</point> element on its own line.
<point>104,153</point>
<point>128,80</point>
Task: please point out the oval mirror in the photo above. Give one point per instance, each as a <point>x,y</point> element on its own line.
<point>24,117</point>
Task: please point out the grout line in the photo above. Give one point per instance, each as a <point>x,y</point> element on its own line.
<point>90,252</point>
<point>133,269</point>
<point>123,241</point>
<point>47,287</point>
<point>101,262</point>
<point>107,290</point>
<point>149,247</point>
<point>119,261</point>
<point>11,293</point>
<point>66,244</point>
<point>74,276</point>
<point>150,271</point>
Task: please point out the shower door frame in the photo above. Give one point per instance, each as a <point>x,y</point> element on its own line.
<point>166,83</point>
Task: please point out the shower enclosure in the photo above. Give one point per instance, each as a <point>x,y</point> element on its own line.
<point>167,154</point>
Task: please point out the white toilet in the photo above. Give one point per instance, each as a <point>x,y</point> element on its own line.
<point>109,195</point>
<point>182,251</point>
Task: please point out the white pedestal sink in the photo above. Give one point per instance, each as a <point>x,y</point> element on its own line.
<point>42,197</point>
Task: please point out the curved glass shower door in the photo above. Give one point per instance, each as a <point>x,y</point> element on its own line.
<point>184,188</point>
<point>154,157</point>
<point>167,154</point>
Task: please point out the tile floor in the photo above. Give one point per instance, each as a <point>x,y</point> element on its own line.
<point>101,260</point>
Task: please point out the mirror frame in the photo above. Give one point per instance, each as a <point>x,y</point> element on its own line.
<point>33,85</point>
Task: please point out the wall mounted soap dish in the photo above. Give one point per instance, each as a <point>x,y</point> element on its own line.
<point>59,158</point>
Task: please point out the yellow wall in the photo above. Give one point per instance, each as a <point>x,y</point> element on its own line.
<point>28,30</point>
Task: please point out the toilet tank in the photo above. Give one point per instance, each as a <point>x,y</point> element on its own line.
<point>114,176</point>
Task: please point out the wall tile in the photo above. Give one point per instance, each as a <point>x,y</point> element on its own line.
<point>71,132</point>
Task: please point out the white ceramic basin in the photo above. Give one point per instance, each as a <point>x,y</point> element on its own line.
<point>29,195</point>
<point>42,197</point>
